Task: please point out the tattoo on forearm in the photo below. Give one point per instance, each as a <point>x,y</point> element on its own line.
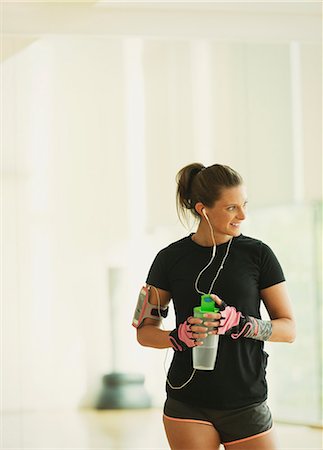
<point>237,325</point>
<point>259,329</point>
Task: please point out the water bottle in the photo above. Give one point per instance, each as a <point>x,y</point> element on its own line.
<point>204,356</point>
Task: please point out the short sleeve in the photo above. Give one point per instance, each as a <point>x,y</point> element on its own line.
<point>157,275</point>
<point>271,272</point>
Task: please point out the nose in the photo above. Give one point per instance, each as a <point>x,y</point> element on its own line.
<point>241,214</point>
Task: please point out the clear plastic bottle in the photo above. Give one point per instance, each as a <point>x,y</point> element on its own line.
<point>204,356</point>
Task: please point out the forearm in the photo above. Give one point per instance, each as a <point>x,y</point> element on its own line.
<point>283,330</point>
<point>152,336</point>
<point>277,330</point>
<point>237,325</point>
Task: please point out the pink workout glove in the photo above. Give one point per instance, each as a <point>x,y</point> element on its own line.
<point>235,324</point>
<point>182,337</point>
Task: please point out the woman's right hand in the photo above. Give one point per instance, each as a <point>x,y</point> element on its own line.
<point>200,331</point>
<point>188,334</point>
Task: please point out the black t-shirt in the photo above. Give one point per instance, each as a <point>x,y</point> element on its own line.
<point>238,378</point>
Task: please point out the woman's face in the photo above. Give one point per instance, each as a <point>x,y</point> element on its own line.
<point>227,213</point>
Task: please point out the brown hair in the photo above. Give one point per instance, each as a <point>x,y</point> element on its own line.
<point>196,183</point>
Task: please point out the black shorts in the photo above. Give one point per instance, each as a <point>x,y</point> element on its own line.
<point>232,425</point>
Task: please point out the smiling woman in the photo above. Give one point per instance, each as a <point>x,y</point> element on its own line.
<point>225,216</point>
<point>238,273</point>
<point>103,102</point>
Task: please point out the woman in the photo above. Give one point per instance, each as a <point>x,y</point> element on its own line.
<point>227,405</point>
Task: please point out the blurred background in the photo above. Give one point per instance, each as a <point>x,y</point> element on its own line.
<point>101,104</point>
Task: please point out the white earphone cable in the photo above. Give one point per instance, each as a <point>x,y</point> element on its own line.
<point>211,260</point>
<point>167,350</point>
<point>200,292</point>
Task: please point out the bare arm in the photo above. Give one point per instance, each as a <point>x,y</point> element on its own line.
<point>151,335</point>
<point>278,305</point>
<point>280,327</point>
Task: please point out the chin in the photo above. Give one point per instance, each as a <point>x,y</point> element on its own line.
<point>235,232</point>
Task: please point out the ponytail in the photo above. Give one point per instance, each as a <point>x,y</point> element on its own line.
<point>197,183</point>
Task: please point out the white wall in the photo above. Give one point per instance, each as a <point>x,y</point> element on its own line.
<point>58,191</point>
<point>88,177</point>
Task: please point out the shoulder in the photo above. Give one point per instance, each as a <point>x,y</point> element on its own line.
<point>165,260</point>
<point>248,243</point>
<point>175,247</point>
<point>253,246</point>
<point>263,255</point>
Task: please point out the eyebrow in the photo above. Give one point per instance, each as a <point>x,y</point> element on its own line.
<point>235,204</point>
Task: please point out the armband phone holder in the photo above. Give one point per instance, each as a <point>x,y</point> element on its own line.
<point>144,309</point>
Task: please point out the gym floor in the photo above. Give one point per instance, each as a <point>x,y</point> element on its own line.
<point>110,430</point>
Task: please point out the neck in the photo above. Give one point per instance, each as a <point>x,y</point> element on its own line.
<point>203,237</point>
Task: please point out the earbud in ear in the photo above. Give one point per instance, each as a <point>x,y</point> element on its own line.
<point>204,213</point>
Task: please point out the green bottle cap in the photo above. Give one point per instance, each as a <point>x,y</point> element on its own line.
<point>207,305</point>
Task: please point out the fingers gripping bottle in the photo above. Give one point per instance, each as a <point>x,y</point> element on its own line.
<point>204,356</point>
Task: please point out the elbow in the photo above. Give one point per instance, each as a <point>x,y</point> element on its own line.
<point>143,343</point>
<point>140,339</point>
<point>291,338</point>
<point>283,331</point>
<point>292,334</point>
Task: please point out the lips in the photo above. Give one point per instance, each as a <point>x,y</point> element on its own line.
<point>236,225</point>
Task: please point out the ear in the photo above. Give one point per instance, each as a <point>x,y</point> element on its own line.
<point>199,208</point>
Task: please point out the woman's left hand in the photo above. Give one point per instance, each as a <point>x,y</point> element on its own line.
<point>212,320</point>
